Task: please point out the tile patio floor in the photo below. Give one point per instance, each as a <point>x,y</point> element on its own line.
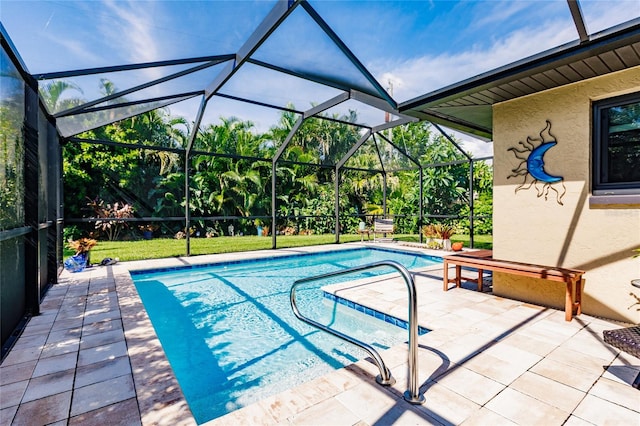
<point>92,358</point>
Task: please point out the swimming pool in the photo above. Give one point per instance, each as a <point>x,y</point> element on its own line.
<point>230,334</point>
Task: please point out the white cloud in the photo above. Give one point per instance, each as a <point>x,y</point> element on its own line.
<point>75,48</point>
<point>423,74</point>
<point>501,12</point>
<point>132,32</point>
<point>600,15</point>
<point>409,78</point>
<point>476,147</point>
<point>137,37</point>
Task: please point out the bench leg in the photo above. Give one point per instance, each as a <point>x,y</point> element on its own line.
<point>445,280</point>
<point>568,302</point>
<point>480,273</point>
<point>458,276</point>
<point>578,302</point>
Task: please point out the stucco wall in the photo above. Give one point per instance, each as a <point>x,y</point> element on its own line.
<point>530,228</point>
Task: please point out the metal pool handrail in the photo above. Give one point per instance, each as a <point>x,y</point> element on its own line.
<point>412,395</point>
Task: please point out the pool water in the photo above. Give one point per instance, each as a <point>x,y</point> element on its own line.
<point>230,334</point>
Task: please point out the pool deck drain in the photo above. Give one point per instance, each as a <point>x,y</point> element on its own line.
<point>92,357</point>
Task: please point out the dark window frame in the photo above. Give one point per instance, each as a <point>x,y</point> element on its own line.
<point>600,145</point>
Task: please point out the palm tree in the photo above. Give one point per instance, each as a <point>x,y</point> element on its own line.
<point>158,128</point>
<point>52,95</point>
<point>230,185</point>
<point>246,185</point>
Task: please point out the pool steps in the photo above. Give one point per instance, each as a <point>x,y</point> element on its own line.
<point>373,313</point>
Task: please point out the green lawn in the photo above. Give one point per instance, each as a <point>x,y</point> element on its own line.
<point>168,247</point>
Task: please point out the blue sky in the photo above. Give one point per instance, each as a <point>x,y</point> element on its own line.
<point>416,46</point>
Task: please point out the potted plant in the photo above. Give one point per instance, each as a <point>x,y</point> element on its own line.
<point>148,230</point>
<point>81,259</point>
<point>430,232</point>
<point>445,231</point>
<point>434,245</point>
<point>258,224</point>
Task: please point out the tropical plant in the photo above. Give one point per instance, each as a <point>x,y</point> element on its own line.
<point>430,231</point>
<point>245,187</point>
<point>483,211</point>
<point>228,177</point>
<point>108,212</point>
<point>71,233</point>
<point>82,245</point>
<point>11,163</point>
<point>150,227</point>
<point>444,230</point>
<point>53,95</point>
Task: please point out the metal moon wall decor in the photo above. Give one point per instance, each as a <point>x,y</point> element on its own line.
<point>531,166</point>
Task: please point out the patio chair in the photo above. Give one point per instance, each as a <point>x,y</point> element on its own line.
<point>627,340</point>
<point>362,229</point>
<point>384,227</point>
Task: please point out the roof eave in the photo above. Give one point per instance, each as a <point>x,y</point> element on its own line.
<point>621,35</point>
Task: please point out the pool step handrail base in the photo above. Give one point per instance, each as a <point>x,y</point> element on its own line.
<point>414,399</point>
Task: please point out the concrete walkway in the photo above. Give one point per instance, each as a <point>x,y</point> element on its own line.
<point>92,357</point>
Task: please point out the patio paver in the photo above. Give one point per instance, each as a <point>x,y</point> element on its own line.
<point>92,358</point>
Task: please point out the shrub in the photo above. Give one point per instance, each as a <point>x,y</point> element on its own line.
<point>483,207</point>
<point>111,228</point>
<point>71,233</point>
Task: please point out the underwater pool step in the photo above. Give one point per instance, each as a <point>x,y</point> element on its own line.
<point>372,312</point>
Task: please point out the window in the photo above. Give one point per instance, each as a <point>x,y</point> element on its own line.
<point>616,145</point>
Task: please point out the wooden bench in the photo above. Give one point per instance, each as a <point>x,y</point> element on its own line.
<point>382,226</point>
<point>483,260</point>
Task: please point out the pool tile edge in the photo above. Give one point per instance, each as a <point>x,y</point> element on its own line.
<point>372,312</point>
